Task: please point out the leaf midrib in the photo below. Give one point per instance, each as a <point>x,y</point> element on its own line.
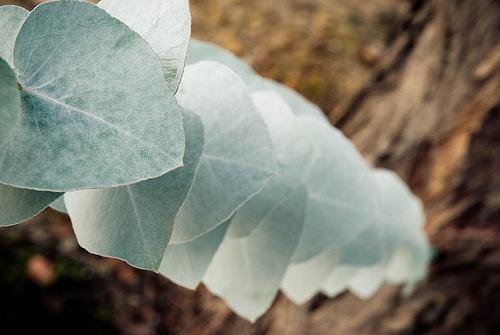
<point>99,119</point>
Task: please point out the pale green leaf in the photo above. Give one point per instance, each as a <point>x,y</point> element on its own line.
<point>18,205</point>
<point>134,222</point>
<point>294,154</point>
<point>95,110</point>
<point>247,272</point>
<point>200,50</point>
<point>250,264</point>
<point>185,264</point>
<point>338,280</point>
<point>343,194</point>
<point>367,248</point>
<point>238,157</point>
<point>303,280</point>
<point>59,205</point>
<point>11,19</point>
<point>9,96</point>
<point>164,24</point>
<point>367,280</point>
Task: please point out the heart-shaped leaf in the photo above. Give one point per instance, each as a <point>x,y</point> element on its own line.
<point>302,280</point>
<point>11,20</point>
<point>59,205</point>
<point>407,253</point>
<point>238,157</point>
<point>338,280</point>
<point>200,50</point>
<point>247,272</point>
<point>343,194</point>
<point>18,205</point>
<point>250,264</point>
<point>186,263</point>
<point>164,24</point>
<point>93,109</point>
<point>294,155</point>
<point>134,222</point>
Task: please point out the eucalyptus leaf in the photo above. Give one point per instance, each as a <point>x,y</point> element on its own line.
<point>164,24</point>
<point>8,90</point>
<point>303,280</point>
<point>295,151</point>
<point>247,272</point>
<point>18,205</point>
<point>201,50</point>
<point>367,281</point>
<point>338,280</point>
<point>407,253</point>
<point>59,205</point>
<point>134,222</point>
<point>367,248</point>
<point>185,264</point>
<point>250,264</point>
<point>410,262</point>
<point>94,109</point>
<point>401,212</point>
<point>11,20</point>
<point>343,194</point>
<point>205,51</point>
<point>238,157</point>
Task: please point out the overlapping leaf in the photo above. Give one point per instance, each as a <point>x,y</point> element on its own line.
<point>18,205</point>
<point>200,50</point>
<point>134,222</point>
<point>59,205</point>
<point>269,193</point>
<point>252,260</point>
<point>238,157</point>
<point>342,193</point>
<point>186,263</point>
<point>93,108</point>
<point>11,20</point>
<point>164,24</point>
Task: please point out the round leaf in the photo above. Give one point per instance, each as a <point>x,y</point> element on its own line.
<point>164,24</point>
<point>134,222</point>
<point>95,110</point>
<point>238,157</point>
<point>11,19</point>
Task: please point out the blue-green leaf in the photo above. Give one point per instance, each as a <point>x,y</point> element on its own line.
<point>134,222</point>
<point>343,194</point>
<point>18,205</point>
<point>186,263</point>
<point>164,24</point>
<point>94,109</point>
<point>303,280</point>
<point>200,50</point>
<point>238,158</point>
<point>59,205</point>
<point>11,19</point>
<point>252,260</point>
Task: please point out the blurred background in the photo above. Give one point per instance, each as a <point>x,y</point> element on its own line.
<point>414,83</point>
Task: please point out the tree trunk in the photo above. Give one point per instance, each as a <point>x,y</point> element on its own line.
<point>431,112</point>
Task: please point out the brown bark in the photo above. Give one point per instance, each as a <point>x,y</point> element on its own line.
<point>431,112</point>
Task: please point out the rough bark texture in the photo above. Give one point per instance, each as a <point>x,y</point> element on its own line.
<point>431,112</point>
